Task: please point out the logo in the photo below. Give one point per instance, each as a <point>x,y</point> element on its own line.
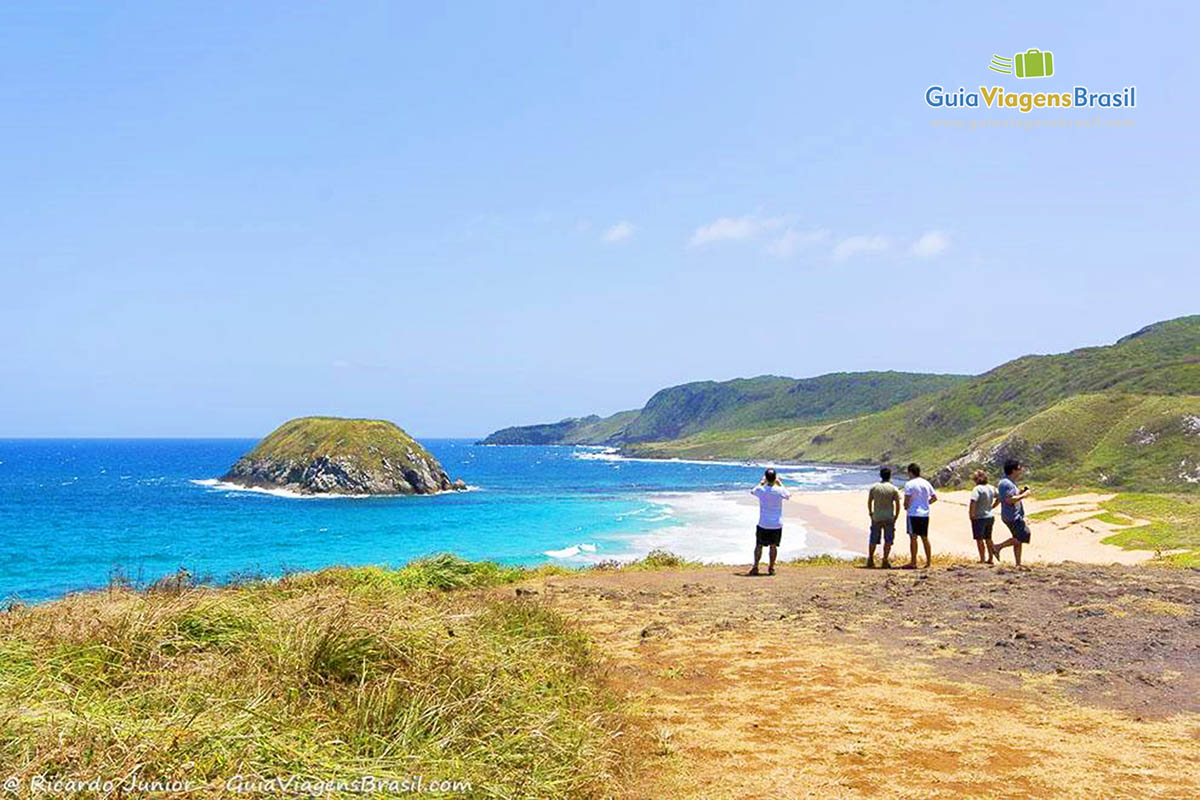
<point>1033,63</point>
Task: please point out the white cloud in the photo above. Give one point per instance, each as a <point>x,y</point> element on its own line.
<point>792,241</point>
<point>856,245</point>
<point>619,232</point>
<point>930,244</point>
<point>733,229</point>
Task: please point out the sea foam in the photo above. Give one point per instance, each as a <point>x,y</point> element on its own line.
<point>718,528</point>
<point>572,551</point>
<point>225,486</point>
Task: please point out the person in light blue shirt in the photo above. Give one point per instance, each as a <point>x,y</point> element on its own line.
<point>1012,510</point>
<point>769,533</point>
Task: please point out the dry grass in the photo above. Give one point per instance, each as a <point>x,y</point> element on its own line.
<point>330,675</point>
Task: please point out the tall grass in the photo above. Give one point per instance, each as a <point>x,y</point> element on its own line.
<point>330,675</point>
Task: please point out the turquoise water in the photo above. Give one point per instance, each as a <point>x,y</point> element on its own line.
<point>73,513</point>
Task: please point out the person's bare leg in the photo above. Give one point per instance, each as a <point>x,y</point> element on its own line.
<point>928,556</point>
<point>997,548</point>
<point>887,551</point>
<point>991,550</point>
<point>1017,553</point>
<point>979,547</point>
<point>771,564</point>
<point>912,553</point>
<point>871,556</point>
<point>757,558</point>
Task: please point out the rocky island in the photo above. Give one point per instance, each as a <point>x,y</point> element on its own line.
<point>332,455</point>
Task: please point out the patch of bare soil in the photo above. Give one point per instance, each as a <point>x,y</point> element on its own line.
<point>1061,680</point>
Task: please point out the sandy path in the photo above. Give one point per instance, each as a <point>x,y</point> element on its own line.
<point>843,682</point>
<point>1071,535</point>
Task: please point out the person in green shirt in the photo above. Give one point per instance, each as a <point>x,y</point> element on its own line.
<point>883,504</point>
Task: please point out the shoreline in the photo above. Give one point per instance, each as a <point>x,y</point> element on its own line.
<point>1072,534</point>
<point>614,453</point>
<point>834,521</point>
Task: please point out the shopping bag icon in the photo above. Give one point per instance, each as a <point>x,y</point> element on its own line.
<point>1034,63</point>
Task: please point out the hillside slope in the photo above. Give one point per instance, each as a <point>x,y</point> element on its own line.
<point>1126,414</point>
<point>576,430</point>
<point>767,401</point>
<point>366,675</point>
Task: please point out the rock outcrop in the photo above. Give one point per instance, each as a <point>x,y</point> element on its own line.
<point>330,455</point>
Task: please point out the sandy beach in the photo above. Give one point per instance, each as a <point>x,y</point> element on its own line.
<point>1074,534</point>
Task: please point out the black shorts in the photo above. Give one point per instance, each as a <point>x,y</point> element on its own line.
<point>765,537</point>
<point>1019,529</point>
<point>918,526</point>
<point>981,528</point>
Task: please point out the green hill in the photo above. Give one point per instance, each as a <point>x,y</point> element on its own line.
<point>347,456</point>
<point>765,402</point>
<point>1124,415</point>
<point>577,430</point>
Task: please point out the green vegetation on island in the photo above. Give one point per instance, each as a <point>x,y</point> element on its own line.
<point>335,455</point>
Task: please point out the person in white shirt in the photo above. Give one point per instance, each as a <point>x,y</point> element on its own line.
<point>770,494</point>
<point>918,496</point>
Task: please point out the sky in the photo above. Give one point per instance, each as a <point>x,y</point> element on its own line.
<point>218,216</point>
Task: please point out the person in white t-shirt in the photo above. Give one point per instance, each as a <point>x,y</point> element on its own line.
<point>770,494</point>
<point>918,496</point>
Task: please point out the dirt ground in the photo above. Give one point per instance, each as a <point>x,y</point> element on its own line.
<point>1063,681</point>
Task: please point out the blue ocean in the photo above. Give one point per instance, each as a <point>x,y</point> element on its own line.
<point>74,514</point>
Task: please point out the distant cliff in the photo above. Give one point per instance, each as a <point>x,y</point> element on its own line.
<point>768,401</point>
<point>578,430</point>
<point>1125,415</point>
<point>331,455</point>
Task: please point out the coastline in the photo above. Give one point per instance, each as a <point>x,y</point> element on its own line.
<point>605,452</point>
